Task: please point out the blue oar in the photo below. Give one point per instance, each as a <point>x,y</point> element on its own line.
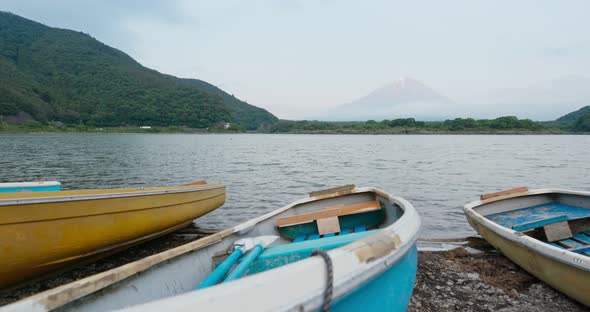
<point>222,269</point>
<point>239,248</point>
<point>244,264</point>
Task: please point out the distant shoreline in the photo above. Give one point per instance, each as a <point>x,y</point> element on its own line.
<point>503,132</point>
<point>188,131</point>
<point>13,129</point>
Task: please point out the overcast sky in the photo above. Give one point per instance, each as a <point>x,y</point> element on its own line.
<point>297,58</point>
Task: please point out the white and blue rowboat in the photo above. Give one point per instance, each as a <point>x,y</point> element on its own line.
<point>367,260</point>
<point>545,231</point>
<point>39,186</point>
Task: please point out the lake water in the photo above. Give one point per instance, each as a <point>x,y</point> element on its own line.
<point>438,174</point>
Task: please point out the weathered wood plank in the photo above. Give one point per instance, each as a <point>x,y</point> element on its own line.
<point>338,190</point>
<point>557,231</point>
<point>502,193</point>
<point>340,210</point>
<point>328,225</point>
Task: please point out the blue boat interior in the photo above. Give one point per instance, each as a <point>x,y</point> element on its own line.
<point>535,220</point>
<point>323,228</point>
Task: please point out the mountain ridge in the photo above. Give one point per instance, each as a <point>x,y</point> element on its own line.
<point>56,74</point>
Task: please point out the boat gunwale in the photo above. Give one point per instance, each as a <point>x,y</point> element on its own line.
<point>562,255</point>
<point>86,215</point>
<point>62,295</point>
<point>67,198</point>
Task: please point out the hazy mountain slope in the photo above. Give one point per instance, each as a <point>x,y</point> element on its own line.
<point>573,116</point>
<point>58,74</point>
<point>404,98</point>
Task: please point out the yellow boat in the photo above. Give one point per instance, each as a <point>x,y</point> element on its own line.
<point>42,232</point>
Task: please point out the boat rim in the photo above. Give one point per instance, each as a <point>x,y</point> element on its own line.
<point>563,255</point>
<point>138,192</point>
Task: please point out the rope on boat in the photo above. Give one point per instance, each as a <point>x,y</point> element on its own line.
<point>330,278</point>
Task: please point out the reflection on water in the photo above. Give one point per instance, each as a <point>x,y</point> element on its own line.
<point>438,173</point>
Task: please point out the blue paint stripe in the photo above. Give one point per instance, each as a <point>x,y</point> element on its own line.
<point>359,228</point>
<point>556,245</point>
<point>582,238</point>
<point>570,242</point>
<point>583,249</point>
<point>313,236</point>
<point>345,231</point>
<point>300,238</point>
<point>538,223</point>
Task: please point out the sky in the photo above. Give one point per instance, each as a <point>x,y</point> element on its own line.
<point>300,58</point>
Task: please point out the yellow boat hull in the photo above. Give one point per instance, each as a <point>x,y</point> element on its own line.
<point>568,279</point>
<point>48,231</point>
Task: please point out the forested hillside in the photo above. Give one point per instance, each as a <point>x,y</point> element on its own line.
<point>62,75</point>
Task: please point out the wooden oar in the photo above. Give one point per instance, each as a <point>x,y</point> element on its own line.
<point>239,248</point>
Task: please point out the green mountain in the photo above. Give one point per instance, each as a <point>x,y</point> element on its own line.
<point>578,121</point>
<point>574,116</point>
<point>61,75</point>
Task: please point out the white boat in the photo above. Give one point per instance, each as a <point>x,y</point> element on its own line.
<point>544,231</point>
<point>367,240</point>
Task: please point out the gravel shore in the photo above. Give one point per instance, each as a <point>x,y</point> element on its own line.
<point>478,278</point>
<point>473,277</point>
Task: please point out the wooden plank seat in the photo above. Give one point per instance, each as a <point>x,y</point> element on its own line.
<point>367,214</point>
<point>333,211</point>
